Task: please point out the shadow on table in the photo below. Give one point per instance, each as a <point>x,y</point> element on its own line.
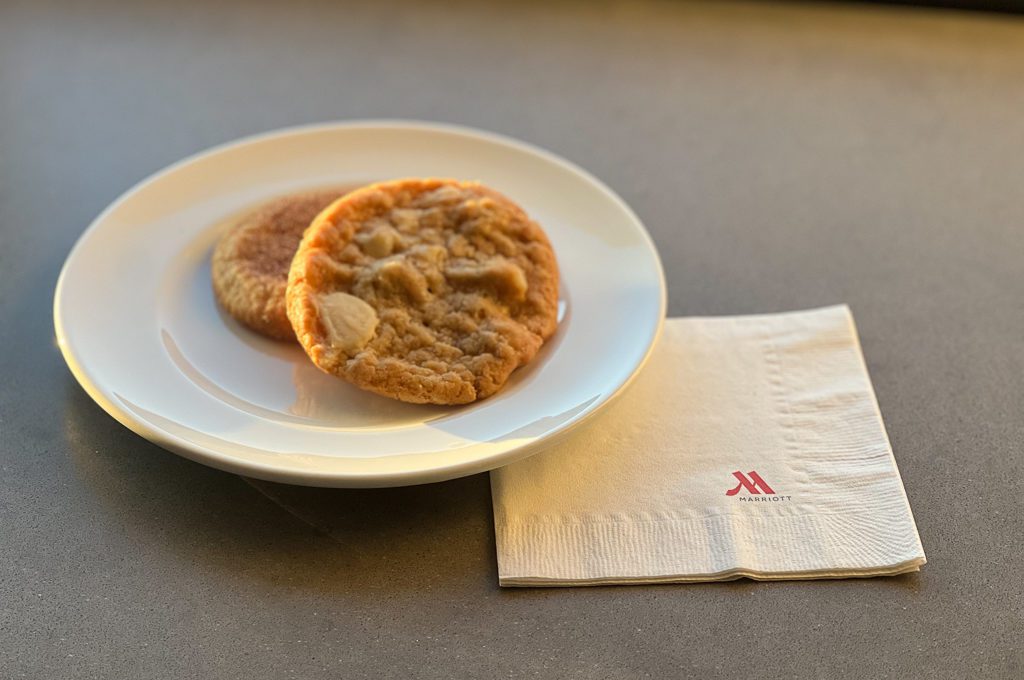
<point>909,582</point>
<point>329,540</point>
<point>745,586</point>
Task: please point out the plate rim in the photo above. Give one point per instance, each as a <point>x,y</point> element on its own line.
<point>418,475</point>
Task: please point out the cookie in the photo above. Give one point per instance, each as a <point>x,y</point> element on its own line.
<point>250,263</point>
<point>424,290</point>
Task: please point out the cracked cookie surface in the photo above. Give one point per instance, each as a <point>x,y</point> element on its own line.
<point>250,263</point>
<point>424,290</point>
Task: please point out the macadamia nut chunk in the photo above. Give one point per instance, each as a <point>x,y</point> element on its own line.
<point>349,322</point>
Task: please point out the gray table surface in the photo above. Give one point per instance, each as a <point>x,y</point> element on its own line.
<point>783,157</point>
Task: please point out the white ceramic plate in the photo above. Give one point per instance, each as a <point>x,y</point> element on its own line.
<point>139,328</point>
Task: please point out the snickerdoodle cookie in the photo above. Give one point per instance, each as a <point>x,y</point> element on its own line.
<point>250,263</point>
<point>424,290</point>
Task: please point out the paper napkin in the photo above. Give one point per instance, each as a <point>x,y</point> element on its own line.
<point>747,446</point>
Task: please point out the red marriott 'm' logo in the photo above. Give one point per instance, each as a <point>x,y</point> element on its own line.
<point>752,482</point>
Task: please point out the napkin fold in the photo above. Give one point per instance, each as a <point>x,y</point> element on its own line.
<point>747,446</point>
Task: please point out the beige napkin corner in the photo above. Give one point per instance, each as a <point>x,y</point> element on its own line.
<point>748,446</point>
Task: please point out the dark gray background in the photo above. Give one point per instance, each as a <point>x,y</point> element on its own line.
<point>783,157</point>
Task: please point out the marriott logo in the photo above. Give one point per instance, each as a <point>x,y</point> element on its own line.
<point>757,489</point>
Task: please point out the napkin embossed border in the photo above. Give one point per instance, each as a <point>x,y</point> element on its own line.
<point>749,446</point>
